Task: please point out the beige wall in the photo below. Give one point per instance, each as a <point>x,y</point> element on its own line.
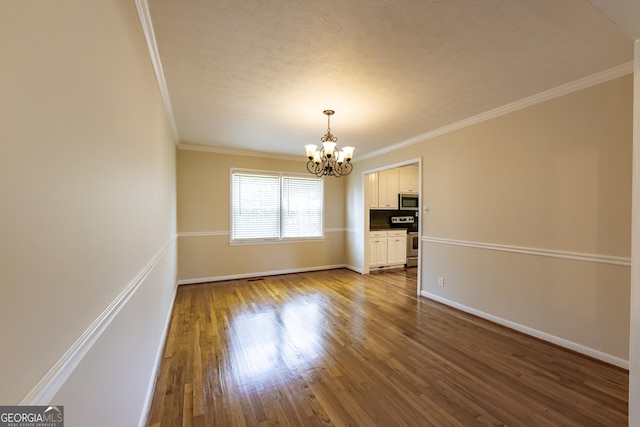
<point>554,177</point>
<point>87,212</point>
<point>204,222</point>
<point>634,373</point>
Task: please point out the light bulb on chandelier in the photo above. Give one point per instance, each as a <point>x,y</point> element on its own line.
<point>329,160</point>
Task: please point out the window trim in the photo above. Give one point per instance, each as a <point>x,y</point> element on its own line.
<point>279,240</point>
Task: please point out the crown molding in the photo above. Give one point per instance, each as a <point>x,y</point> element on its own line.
<point>592,80</point>
<point>147,27</point>
<point>234,152</point>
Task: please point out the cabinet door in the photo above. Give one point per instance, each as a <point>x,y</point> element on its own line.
<point>377,251</point>
<point>371,188</point>
<point>372,251</point>
<point>388,189</point>
<point>397,250</point>
<point>381,251</point>
<point>408,179</point>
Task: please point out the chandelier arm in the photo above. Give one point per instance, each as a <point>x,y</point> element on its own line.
<point>332,167</point>
<point>311,166</point>
<point>316,169</point>
<point>343,169</point>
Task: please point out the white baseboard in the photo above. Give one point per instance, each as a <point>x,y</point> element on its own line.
<point>258,274</point>
<point>596,354</point>
<point>354,268</point>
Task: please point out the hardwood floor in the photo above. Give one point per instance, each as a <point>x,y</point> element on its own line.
<point>339,348</point>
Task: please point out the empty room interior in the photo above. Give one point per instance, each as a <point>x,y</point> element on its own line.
<point>321,213</point>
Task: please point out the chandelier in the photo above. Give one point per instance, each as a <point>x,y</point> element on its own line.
<point>329,160</point>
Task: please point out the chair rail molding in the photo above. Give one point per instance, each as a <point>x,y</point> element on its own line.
<point>576,256</point>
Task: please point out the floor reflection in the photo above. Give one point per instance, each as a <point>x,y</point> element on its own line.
<point>340,348</point>
<point>264,342</point>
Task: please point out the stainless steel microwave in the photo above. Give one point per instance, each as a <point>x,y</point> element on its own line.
<point>408,202</point>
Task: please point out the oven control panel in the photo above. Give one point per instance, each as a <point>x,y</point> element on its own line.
<point>403,219</point>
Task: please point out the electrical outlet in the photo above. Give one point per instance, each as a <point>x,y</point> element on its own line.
<point>440,281</point>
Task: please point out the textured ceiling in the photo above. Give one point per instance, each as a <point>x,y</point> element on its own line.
<point>256,75</point>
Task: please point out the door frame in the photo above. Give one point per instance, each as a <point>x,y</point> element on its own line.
<point>365,214</point>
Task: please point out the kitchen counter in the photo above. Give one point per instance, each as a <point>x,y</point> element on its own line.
<point>387,228</point>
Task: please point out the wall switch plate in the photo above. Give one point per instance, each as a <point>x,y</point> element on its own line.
<point>440,281</point>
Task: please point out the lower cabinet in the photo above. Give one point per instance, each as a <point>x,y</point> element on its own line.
<point>396,247</point>
<point>387,248</point>
<point>377,248</point>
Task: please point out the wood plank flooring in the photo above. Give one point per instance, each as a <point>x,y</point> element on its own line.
<point>339,348</point>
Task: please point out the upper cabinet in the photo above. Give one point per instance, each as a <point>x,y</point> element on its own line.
<point>408,179</point>
<point>371,189</point>
<point>388,189</point>
<point>382,188</point>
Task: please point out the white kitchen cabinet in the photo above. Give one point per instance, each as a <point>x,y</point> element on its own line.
<point>408,179</point>
<point>377,248</point>
<point>396,247</point>
<point>387,248</point>
<point>371,189</point>
<point>388,189</point>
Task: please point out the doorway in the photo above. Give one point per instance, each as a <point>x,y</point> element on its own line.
<point>385,213</point>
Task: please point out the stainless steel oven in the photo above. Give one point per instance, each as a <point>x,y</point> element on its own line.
<point>410,222</point>
<point>412,249</point>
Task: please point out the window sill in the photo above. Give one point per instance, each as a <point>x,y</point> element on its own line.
<point>275,241</point>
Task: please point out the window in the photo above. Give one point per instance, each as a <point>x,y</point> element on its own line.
<point>275,206</point>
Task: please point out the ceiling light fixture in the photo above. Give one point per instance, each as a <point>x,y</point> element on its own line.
<point>329,160</point>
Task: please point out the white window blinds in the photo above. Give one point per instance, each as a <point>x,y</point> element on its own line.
<point>268,206</point>
<point>255,206</point>
<point>301,207</point>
